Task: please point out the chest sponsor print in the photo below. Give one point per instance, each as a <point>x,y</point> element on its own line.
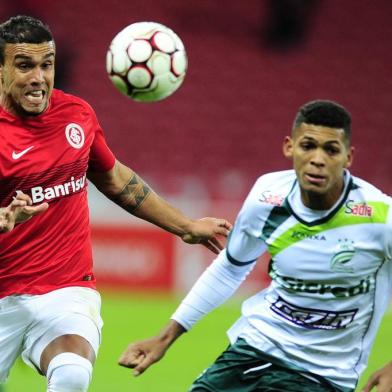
<point>312,318</point>
<point>358,209</point>
<point>74,185</point>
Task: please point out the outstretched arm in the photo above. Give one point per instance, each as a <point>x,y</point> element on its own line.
<point>215,286</point>
<point>124,187</point>
<point>19,210</point>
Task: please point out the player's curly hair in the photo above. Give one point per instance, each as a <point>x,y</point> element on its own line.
<point>23,29</point>
<point>325,113</point>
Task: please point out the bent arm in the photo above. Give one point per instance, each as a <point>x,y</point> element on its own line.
<point>215,286</point>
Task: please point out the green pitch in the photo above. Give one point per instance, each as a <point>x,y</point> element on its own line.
<point>133,317</point>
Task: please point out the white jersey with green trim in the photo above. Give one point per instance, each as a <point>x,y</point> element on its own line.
<point>331,275</point>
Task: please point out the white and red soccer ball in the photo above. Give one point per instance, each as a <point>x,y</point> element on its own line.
<point>146,61</point>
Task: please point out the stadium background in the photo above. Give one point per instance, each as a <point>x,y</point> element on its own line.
<point>251,65</point>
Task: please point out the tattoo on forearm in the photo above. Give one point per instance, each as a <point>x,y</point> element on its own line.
<point>133,194</point>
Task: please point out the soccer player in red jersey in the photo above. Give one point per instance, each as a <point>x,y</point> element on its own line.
<point>51,142</point>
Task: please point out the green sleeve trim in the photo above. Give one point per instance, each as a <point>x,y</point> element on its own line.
<point>372,212</point>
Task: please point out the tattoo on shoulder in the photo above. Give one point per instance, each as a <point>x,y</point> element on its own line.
<point>133,194</point>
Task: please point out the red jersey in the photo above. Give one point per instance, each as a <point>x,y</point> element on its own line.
<point>47,157</point>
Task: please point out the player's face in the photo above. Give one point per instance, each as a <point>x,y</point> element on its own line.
<point>319,155</point>
<point>27,77</point>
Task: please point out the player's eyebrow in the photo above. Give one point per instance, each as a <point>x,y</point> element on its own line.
<point>311,139</point>
<point>25,57</point>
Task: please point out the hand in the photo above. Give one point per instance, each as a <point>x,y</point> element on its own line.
<point>141,355</point>
<point>382,379</point>
<point>205,231</point>
<point>18,211</point>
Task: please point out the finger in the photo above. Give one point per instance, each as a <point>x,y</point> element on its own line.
<point>6,223</point>
<point>131,358</point>
<point>223,228</point>
<point>226,224</point>
<point>384,384</point>
<point>23,196</point>
<point>144,365</point>
<point>222,231</point>
<point>35,210</point>
<point>16,203</point>
<point>369,386</point>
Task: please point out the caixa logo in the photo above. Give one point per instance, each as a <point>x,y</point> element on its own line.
<point>358,208</point>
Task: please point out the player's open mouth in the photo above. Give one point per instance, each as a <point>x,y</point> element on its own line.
<point>35,97</point>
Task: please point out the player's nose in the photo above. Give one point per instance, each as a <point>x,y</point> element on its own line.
<point>37,75</point>
<point>318,158</point>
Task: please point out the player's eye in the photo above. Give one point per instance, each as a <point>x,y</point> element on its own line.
<point>306,146</point>
<point>47,65</point>
<point>23,66</point>
<point>332,150</point>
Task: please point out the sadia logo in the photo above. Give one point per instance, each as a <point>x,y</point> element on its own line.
<point>270,198</point>
<point>358,209</point>
<point>345,251</point>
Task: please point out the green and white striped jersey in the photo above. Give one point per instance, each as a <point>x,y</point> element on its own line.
<point>331,275</point>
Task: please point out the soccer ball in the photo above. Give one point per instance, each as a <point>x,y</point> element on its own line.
<point>146,61</point>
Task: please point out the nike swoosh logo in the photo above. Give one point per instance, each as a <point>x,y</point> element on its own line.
<point>17,155</point>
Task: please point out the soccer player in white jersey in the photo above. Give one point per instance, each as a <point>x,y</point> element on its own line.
<point>329,235</point>
<point>50,143</point>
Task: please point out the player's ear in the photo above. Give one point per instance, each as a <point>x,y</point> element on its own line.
<point>350,157</point>
<point>288,147</point>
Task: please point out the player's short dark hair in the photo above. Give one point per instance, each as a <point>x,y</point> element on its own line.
<point>325,113</point>
<point>23,29</point>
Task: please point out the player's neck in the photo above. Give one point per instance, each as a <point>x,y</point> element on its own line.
<point>317,201</point>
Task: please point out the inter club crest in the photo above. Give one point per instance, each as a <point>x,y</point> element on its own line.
<point>75,135</point>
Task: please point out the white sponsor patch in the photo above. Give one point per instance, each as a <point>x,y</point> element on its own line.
<point>40,194</point>
<point>75,135</point>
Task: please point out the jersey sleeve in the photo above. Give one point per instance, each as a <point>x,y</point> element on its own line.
<point>218,283</point>
<point>101,157</point>
<point>245,244</point>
